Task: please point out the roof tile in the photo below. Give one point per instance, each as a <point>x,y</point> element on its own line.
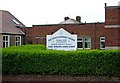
<point>9,23</point>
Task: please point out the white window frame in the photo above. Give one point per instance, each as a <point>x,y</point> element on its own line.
<point>83,41</point>
<point>37,40</point>
<point>80,41</point>
<point>102,39</point>
<point>6,41</point>
<point>15,21</point>
<point>88,41</point>
<point>17,42</point>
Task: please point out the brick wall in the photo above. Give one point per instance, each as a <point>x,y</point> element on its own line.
<point>93,30</point>
<point>112,15</point>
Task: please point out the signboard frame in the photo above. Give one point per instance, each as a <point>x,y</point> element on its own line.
<point>61,40</point>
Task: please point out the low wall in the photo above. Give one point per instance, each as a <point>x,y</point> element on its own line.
<point>57,79</point>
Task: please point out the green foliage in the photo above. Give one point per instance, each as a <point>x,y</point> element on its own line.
<point>34,59</point>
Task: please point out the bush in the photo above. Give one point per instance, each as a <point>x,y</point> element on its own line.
<point>34,59</point>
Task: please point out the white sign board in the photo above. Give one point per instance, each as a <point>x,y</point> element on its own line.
<point>62,40</point>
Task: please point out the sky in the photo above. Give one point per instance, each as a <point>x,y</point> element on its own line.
<point>40,12</point>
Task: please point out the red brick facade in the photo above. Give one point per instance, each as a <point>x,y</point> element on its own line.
<point>112,26</point>
<point>112,15</point>
<point>110,30</point>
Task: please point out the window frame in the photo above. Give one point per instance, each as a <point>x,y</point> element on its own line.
<point>80,41</point>
<point>37,42</point>
<point>15,21</point>
<point>18,42</point>
<point>7,42</point>
<point>44,40</point>
<point>88,41</point>
<point>83,41</point>
<point>102,39</point>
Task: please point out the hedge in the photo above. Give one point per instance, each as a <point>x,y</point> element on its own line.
<point>34,59</point>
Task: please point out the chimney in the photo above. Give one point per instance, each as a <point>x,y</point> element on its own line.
<point>105,4</point>
<point>66,18</point>
<point>119,3</point>
<point>78,18</point>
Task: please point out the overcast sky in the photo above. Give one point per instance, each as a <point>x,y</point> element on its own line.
<point>37,12</point>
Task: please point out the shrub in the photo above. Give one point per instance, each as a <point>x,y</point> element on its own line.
<point>34,59</point>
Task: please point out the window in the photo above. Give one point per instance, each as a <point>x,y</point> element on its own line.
<point>15,21</point>
<point>87,43</point>
<point>84,43</point>
<point>45,40</point>
<point>6,42</point>
<point>37,40</point>
<point>17,40</point>
<point>102,42</point>
<point>80,43</point>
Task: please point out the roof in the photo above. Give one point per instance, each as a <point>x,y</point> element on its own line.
<point>66,24</point>
<point>70,21</point>
<point>111,7</point>
<point>10,24</point>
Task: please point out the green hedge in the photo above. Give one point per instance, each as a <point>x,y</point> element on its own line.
<point>34,59</point>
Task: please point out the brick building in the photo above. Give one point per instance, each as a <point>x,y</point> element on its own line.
<point>99,35</point>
